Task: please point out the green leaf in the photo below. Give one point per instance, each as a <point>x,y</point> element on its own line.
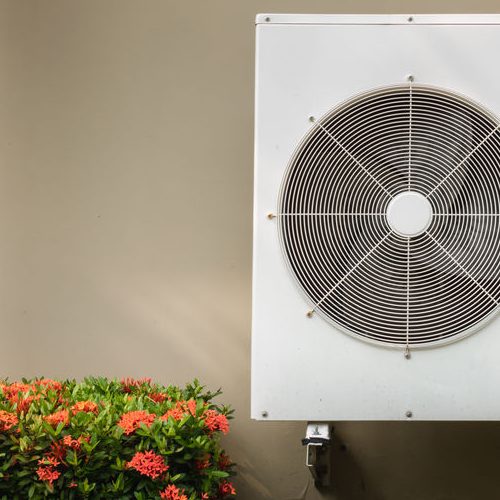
<point>218,473</point>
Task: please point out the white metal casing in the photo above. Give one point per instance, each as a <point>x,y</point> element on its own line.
<point>304,368</point>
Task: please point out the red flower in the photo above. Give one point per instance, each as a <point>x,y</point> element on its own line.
<point>47,470</point>
<point>148,463</point>
<point>49,384</point>
<point>49,460</point>
<point>158,397</point>
<point>224,461</point>
<point>74,444</point>
<point>15,388</point>
<point>129,383</point>
<point>204,463</point>
<point>132,420</point>
<point>226,488</point>
<point>58,417</point>
<point>58,450</point>
<point>181,409</point>
<point>23,401</point>
<point>175,413</point>
<point>63,401</point>
<point>215,421</point>
<point>85,406</point>
<point>204,496</point>
<point>48,474</point>
<point>73,484</point>
<point>7,420</point>
<point>171,492</point>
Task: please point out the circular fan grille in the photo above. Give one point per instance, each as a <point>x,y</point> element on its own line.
<point>389,215</point>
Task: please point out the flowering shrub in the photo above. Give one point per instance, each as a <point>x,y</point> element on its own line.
<point>108,439</point>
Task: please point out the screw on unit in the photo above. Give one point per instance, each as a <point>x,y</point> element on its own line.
<point>407,353</point>
<point>409,414</point>
<point>270,216</point>
<point>310,313</point>
<point>312,119</point>
<point>264,414</point>
<point>410,78</point>
<point>267,19</point>
<point>410,19</point>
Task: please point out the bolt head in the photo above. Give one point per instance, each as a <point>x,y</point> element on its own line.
<point>410,19</point>
<point>409,414</point>
<point>264,414</point>
<point>312,119</point>
<point>309,314</point>
<point>267,19</point>
<point>410,78</point>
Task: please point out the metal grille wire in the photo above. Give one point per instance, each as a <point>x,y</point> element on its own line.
<point>355,270</point>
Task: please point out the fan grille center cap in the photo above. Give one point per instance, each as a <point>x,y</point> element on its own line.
<point>409,213</point>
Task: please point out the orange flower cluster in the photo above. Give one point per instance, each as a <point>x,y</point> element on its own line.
<point>132,420</point>
<point>18,394</point>
<point>16,388</point>
<point>58,449</point>
<point>48,460</point>
<point>215,421</point>
<point>226,488</point>
<point>7,420</point>
<point>148,463</point>
<point>22,395</point>
<point>74,444</point>
<point>181,409</point>
<point>85,406</point>
<point>157,397</point>
<point>171,492</point>
<point>49,384</point>
<point>48,474</point>
<point>58,417</point>
<point>23,401</point>
<point>129,383</point>
<point>176,413</point>
<point>47,470</point>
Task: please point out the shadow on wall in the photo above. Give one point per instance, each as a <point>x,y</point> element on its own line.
<point>400,461</point>
<point>416,461</point>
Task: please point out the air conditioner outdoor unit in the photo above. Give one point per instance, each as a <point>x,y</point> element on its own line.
<point>377,218</point>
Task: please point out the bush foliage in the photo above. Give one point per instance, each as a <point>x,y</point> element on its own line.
<point>101,438</point>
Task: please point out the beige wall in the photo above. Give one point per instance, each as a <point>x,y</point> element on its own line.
<point>125,228</point>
